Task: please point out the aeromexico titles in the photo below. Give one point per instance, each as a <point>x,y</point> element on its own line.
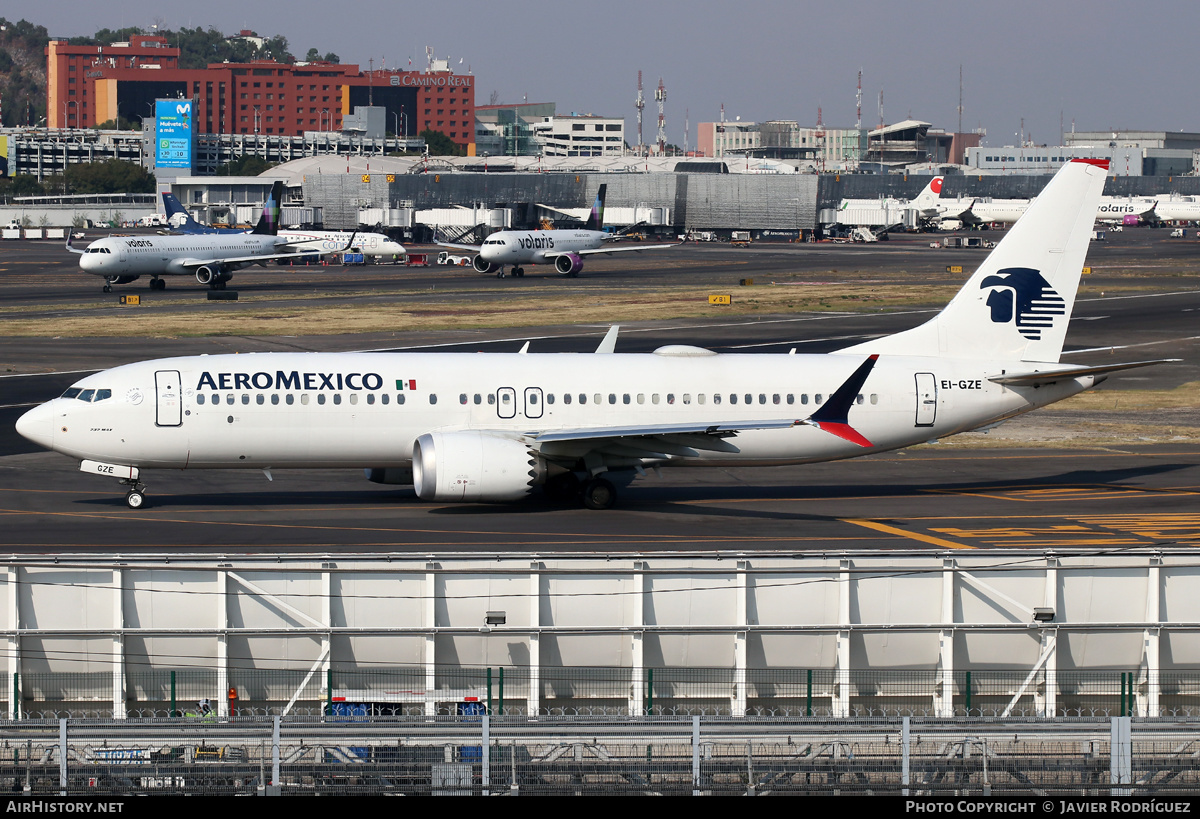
<point>564,249</point>
<point>496,427</point>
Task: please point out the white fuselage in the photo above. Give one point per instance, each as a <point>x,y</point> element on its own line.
<point>335,241</point>
<point>171,255</point>
<point>518,247</point>
<point>280,410</point>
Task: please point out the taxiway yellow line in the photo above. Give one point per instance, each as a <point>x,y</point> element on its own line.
<point>892,530</point>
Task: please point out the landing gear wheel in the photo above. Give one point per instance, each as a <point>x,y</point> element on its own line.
<point>158,284</point>
<point>519,272</point>
<point>135,499</point>
<point>562,488</point>
<point>500,273</point>
<point>108,288</point>
<point>599,494</point>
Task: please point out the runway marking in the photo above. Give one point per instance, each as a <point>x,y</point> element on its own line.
<point>1060,494</point>
<point>892,530</point>
<point>1063,535</point>
<point>1166,526</point>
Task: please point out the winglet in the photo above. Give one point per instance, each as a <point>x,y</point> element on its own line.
<point>70,247</point>
<point>609,343</point>
<point>832,416</point>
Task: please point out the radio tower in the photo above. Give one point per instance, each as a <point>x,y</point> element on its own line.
<point>820,137</point>
<point>858,102</point>
<point>639,104</point>
<point>660,94</point>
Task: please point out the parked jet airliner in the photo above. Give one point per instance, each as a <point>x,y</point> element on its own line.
<point>211,259</point>
<point>564,249</point>
<point>492,427</point>
<point>302,241</point>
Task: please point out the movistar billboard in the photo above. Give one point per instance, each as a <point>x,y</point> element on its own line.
<point>173,130</point>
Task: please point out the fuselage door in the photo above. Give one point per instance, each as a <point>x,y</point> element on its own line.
<point>506,402</point>
<point>926,399</point>
<point>169,401</point>
<point>533,402</point>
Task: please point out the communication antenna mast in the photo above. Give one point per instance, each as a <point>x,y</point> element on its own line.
<point>858,102</point>
<point>660,94</point>
<point>687,126</point>
<point>820,138</point>
<point>960,98</point>
<point>640,103</point>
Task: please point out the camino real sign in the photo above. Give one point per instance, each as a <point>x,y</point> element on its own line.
<point>173,132</point>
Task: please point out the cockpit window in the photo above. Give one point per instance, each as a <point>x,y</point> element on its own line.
<point>86,395</point>
<point>91,396</point>
<point>73,392</point>
<point>102,394</point>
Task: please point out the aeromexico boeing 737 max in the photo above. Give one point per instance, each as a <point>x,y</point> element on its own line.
<point>564,249</point>
<point>210,258</point>
<point>492,427</point>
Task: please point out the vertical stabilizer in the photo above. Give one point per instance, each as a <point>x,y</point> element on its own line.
<point>268,223</point>
<point>596,219</point>
<point>927,200</point>
<point>1018,303</point>
<point>179,219</point>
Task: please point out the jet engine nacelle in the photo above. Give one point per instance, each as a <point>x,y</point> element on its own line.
<point>569,264</point>
<point>207,275</point>
<point>481,266</point>
<point>471,466</point>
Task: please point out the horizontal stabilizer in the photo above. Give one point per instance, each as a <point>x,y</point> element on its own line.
<point>1029,379</point>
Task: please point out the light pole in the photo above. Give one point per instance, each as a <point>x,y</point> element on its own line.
<point>65,104</point>
<point>256,119</point>
<point>325,111</point>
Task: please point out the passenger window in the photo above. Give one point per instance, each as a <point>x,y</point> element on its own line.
<point>199,398</point>
<point>791,399</point>
<point>290,399</point>
<point>229,399</point>
<point>804,398</point>
<point>304,399</point>
<point>567,398</point>
<point>383,398</point>
<point>533,398</point>
<point>478,399</point>
<point>320,398</point>
<point>641,399</point>
<point>670,398</point>
<point>259,399</point>
<point>353,398</point>
<point>817,398</point>
<point>245,399</point>
<point>582,398</point>
<point>687,398</point>
<point>762,398</point>
<point>550,398</point>
<point>775,398</point>
<point>491,398</point>
<point>700,398</point>
<point>337,398</point>
<point>462,398</point>
<point>874,398</point>
<point>612,398</point>
<point>370,398</point>
<point>399,398</point>
<point>716,398</point>
<point>625,398</point>
<point>733,398</point>
<point>432,398</point>
<point>274,398</point>
<point>597,399</point>
<point>858,399</point>
<point>654,398</point>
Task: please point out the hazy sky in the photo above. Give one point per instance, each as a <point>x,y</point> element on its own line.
<point>1103,65</point>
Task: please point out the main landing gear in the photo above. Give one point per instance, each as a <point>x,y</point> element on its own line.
<point>217,284</point>
<point>595,493</point>
<point>158,284</point>
<point>136,497</point>
<point>518,272</point>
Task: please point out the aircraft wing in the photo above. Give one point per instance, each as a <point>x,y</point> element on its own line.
<point>458,246</point>
<point>190,264</point>
<point>683,440</point>
<point>1034,378</point>
<point>612,250</point>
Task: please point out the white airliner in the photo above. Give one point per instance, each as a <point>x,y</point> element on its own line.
<point>564,249</point>
<point>377,245</point>
<point>211,258</point>
<point>492,427</point>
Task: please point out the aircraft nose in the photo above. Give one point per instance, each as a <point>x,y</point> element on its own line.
<point>89,262</point>
<point>37,425</point>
